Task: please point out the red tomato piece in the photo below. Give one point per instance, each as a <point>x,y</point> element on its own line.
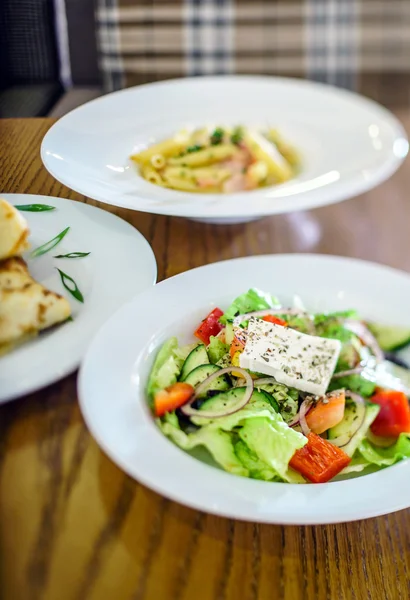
<point>275,320</point>
<point>172,397</point>
<point>394,416</point>
<point>209,326</point>
<point>319,460</point>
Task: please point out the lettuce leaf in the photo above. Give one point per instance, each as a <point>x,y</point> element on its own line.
<point>216,349</point>
<point>354,383</point>
<point>167,366</point>
<point>257,468</point>
<point>273,442</point>
<point>251,301</point>
<point>218,443</point>
<point>384,457</point>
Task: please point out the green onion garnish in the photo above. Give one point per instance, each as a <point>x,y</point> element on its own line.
<point>237,135</point>
<point>217,136</point>
<point>34,207</point>
<point>49,245</point>
<point>72,288</point>
<point>194,148</point>
<point>73,255</point>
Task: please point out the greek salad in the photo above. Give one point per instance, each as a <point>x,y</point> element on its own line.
<point>280,394</point>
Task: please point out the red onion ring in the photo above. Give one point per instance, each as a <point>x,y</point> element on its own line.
<point>354,371</point>
<point>343,440</point>
<point>303,411</point>
<point>189,411</point>
<point>296,420</point>
<point>366,337</point>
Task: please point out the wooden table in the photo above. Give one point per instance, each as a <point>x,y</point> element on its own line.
<point>74,527</point>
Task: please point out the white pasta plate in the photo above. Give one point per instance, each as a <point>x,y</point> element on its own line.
<point>114,374</point>
<point>348,144</point>
<point>119,265</point>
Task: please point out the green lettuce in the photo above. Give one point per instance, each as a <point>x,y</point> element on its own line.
<point>167,365</point>
<point>218,443</point>
<point>257,468</point>
<point>273,442</point>
<point>216,349</point>
<point>267,443</point>
<point>354,383</point>
<point>384,457</point>
<point>251,301</point>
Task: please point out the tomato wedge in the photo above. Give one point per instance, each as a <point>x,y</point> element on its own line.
<point>209,326</point>
<point>326,412</point>
<point>319,460</point>
<point>275,320</point>
<point>394,416</point>
<point>172,398</point>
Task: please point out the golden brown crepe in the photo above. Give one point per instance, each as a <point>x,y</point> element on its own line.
<point>26,307</point>
<point>14,231</point>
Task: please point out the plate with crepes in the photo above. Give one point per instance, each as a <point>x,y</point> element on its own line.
<point>65,267</point>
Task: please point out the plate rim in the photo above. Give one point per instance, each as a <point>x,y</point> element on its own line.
<point>74,364</point>
<point>335,192</point>
<point>152,483</point>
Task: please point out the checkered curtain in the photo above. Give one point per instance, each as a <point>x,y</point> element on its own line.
<point>356,44</point>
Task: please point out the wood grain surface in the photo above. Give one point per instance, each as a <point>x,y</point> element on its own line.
<point>74,527</point>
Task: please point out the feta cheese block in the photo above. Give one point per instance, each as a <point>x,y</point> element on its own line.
<point>305,362</point>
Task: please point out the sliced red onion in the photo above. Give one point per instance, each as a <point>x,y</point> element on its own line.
<point>188,410</point>
<point>366,336</point>
<point>303,411</point>
<point>355,371</point>
<point>343,440</point>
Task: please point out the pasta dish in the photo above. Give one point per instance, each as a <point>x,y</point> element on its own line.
<point>219,160</point>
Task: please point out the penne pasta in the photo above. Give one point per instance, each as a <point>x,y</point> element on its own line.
<point>288,152</point>
<point>264,151</point>
<point>179,183</point>
<point>204,157</point>
<point>166,148</point>
<point>257,173</point>
<point>158,161</point>
<point>218,160</point>
<point>152,176</point>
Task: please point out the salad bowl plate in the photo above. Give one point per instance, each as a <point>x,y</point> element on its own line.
<point>113,380</point>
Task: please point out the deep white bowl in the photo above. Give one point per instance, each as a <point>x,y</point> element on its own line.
<point>349,144</point>
<point>114,374</point>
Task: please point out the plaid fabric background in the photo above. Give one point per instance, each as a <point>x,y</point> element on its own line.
<point>356,44</point>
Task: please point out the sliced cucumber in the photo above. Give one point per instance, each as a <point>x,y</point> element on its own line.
<point>390,338</point>
<point>197,357</point>
<point>199,374</point>
<point>229,334</point>
<point>225,400</point>
<point>349,424</point>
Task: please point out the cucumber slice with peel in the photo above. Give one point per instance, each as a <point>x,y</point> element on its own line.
<point>390,338</point>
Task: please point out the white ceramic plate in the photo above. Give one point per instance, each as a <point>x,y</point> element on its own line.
<point>349,144</point>
<point>116,367</point>
<point>120,265</point>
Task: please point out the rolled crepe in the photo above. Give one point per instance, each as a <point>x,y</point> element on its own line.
<point>14,231</point>
<point>26,307</point>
